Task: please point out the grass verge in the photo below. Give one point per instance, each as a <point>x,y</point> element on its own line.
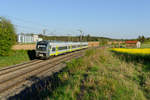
<point>142,67</point>
<point>17,57</point>
<point>100,76</point>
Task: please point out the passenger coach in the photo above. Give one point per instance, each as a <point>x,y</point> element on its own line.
<point>45,49</point>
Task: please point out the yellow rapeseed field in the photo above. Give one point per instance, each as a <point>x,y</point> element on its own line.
<point>133,51</point>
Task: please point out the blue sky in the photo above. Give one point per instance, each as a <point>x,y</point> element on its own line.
<point>109,18</point>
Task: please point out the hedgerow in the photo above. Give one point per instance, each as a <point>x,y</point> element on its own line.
<point>7,36</point>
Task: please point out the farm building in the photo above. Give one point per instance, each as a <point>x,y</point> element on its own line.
<point>28,38</point>
<point>133,44</point>
<point>93,44</point>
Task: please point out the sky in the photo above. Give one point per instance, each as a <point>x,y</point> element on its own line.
<point>121,19</point>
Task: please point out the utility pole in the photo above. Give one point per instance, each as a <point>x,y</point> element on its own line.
<point>44,31</point>
<point>0,19</point>
<point>81,36</point>
<point>69,37</point>
<point>53,34</point>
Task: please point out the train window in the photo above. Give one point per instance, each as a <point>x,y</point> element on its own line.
<point>62,48</point>
<point>74,46</point>
<point>53,49</point>
<point>41,47</point>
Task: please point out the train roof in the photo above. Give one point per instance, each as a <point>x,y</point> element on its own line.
<point>66,43</point>
<point>62,43</point>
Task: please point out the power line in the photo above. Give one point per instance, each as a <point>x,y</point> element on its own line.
<point>18,26</point>
<point>28,31</point>
<point>27,21</point>
<point>26,27</point>
<point>40,27</point>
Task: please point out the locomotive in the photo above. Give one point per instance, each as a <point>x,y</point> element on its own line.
<point>45,49</point>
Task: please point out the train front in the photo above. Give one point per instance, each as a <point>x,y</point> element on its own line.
<point>42,49</point>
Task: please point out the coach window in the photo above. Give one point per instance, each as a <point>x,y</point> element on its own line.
<point>62,48</point>
<point>74,46</point>
<point>65,47</point>
<point>53,49</point>
<point>59,48</point>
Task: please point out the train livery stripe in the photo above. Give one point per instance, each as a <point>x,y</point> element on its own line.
<point>58,52</point>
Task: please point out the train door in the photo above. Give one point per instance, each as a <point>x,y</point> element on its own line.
<point>70,48</point>
<point>49,49</point>
<point>56,50</point>
<point>53,50</point>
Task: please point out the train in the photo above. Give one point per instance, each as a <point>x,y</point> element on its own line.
<point>46,49</point>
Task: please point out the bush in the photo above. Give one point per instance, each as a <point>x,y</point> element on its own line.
<point>7,36</point>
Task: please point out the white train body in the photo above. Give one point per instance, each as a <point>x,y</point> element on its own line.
<point>45,49</point>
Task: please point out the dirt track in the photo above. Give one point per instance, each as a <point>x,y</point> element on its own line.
<point>24,47</point>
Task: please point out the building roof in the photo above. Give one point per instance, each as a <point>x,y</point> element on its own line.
<point>131,42</point>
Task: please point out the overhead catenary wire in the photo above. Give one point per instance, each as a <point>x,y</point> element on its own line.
<point>25,26</point>
<point>27,21</point>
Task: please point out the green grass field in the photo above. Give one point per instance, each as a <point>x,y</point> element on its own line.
<point>16,58</point>
<point>145,45</point>
<point>102,75</point>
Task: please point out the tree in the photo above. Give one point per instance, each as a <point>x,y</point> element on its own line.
<point>88,37</point>
<point>141,38</point>
<point>103,42</point>
<point>7,36</point>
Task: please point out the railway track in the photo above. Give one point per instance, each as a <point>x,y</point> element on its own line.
<point>14,77</point>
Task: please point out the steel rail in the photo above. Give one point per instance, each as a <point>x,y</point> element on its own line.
<point>18,67</point>
<point>6,77</point>
<point>17,79</point>
<point>13,66</point>
<point>21,66</point>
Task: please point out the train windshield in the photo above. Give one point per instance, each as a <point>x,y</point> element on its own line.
<point>41,47</point>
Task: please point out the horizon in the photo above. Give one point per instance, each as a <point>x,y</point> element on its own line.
<point>103,18</point>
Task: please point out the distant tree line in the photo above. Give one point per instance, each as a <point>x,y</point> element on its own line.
<point>72,38</point>
<point>143,39</point>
